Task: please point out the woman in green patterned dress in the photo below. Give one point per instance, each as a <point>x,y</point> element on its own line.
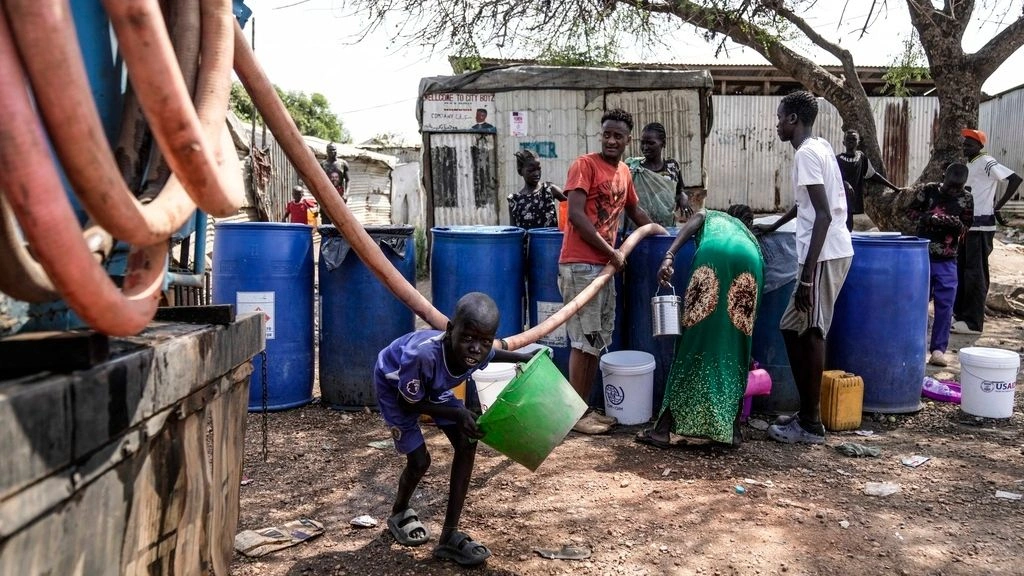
<point>708,377</point>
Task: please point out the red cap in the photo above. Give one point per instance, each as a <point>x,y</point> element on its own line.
<point>974,135</point>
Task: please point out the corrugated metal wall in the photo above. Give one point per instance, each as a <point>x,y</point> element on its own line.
<point>555,126</point>
<point>679,112</point>
<point>464,179</point>
<point>364,178</point>
<point>369,197</point>
<point>747,163</point>
<point>1002,119</point>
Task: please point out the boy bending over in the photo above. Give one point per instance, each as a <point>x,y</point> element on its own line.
<point>415,375</point>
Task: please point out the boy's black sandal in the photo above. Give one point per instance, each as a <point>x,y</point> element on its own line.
<point>403,524</point>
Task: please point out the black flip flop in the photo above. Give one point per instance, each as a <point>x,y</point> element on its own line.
<point>645,437</point>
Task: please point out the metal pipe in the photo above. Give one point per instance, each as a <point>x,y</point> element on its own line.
<point>187,280</point>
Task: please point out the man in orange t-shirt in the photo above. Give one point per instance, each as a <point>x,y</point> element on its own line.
<point>600,189</point>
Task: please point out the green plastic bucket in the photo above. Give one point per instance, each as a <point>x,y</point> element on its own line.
<point>532,414</point>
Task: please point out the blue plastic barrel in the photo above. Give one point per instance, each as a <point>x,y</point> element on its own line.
<point>359,314</point>
<point>641,284</point>
<point>881,321</point>
<point>486,259</point>
<point>543,296</point>
<point>268,268</point>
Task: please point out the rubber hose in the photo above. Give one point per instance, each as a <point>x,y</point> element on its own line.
<point>34,189</point>
<point>154,75</point>
<point>45,35</point>
<point>283,127</point>
<point>21,277</point>
<point>562,315</point>
<point>183,25</point>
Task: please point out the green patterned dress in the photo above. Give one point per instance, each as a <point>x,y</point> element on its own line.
<point>709,372</point>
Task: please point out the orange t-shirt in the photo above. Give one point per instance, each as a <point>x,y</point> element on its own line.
<point>609,191</point>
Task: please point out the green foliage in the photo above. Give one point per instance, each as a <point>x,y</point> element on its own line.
<point>910,65</point>
<point>597,56</point>
<point>419,236</point>
<point>388,139</point>
<point>240,102</point>
<point>312,114</point>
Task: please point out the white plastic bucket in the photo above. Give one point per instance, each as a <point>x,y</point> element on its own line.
<point>492,380</point>
<point>628,385</point>
<point>988,380</point>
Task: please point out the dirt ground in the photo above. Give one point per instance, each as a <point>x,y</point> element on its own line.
<point>763,508</point>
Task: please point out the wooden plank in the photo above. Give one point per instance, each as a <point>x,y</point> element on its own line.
<point>35,432</point>
<point>228,414</point>
<point>60,352</point>
<point>221,314</point>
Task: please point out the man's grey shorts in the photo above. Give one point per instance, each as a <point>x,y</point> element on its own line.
<point>828,281</point>
<point>590,329</point>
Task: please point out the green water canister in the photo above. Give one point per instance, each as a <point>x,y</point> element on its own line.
<point>532,414</point>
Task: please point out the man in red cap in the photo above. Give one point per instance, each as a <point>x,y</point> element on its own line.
<point>972,261</point>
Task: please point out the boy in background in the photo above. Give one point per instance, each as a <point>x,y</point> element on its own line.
<point>298,210</point>
<point>943,212</point>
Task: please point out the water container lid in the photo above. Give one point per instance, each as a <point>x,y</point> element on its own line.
<point>627,362</point>
<point>496,372</point>
<point>787,228</point>
<point>478,230</point>
<point>875,234</point>
<point>545,231</point>
<point>989,357</point>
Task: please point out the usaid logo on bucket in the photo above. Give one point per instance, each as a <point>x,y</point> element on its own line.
<point>997,386</point>
<point>614,394</point>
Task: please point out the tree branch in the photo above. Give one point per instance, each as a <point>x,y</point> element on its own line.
<point>842,54</point>
<point>998,49</point>
<point>762,41</point>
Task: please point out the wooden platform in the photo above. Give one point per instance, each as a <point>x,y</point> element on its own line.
<point>131,466</point>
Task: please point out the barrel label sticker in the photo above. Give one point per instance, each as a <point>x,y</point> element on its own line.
<point>614,394</point>
<point>262,302</point>
<point>558,337</point>
<point>997,386</point>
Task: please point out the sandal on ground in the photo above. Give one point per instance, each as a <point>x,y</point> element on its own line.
<point>645,436</point>
<point>402,526</point>
<point>462,550</point>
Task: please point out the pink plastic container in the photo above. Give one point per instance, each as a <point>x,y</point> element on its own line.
<point>759,383</point>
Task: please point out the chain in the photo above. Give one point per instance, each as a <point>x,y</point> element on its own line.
<point>263,423</point>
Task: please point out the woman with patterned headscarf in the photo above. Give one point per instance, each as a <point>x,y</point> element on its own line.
<point>658,180</point>
<point>709,373</point>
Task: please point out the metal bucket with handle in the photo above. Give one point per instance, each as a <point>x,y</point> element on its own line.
<point>665,314</point>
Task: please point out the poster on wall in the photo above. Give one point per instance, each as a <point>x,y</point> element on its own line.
<point>458,112</point>
<point>517,120</point>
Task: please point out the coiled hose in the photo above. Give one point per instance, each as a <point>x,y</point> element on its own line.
<point>197,149</point>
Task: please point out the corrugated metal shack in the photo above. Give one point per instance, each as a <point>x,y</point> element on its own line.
<point>747,164</point>
<point>369,172</point>
<point>473,123</point>
<point>1002,118</point>
<point>369,189</point>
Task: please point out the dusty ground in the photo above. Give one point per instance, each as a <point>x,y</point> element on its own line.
<point>645,511</point>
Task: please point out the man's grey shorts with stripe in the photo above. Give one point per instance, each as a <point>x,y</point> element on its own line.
<point>828,281</point>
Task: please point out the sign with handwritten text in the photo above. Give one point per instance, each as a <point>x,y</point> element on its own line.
<point>458,112</point>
